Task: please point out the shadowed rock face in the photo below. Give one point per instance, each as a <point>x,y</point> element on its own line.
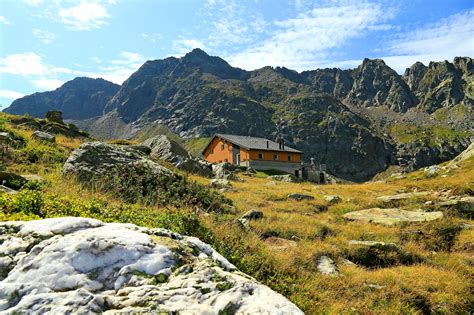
<point>341,118</point>
<point>81,265</point>
<point>80,98</point>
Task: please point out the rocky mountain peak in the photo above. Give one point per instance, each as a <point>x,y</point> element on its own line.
<point>414,74</point>
<point>464,64</point>
<point>212,64</point>
<point>376,84</point>
<point>80,98</point>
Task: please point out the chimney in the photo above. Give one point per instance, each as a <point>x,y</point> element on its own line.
<point>268,144</point>
<point>283,144</point>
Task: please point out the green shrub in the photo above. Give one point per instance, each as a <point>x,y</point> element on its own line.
<point>139,184</point>
<point>380,255</point>
<point>435,235</point>
<point>26,201</point>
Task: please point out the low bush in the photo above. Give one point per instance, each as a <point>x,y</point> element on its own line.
<point>435,235</point>
<point>139,184</point>
<point>380,256</point>
<point>35,204</point>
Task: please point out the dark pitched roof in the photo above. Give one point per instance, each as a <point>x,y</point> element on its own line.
<point>254,143</point>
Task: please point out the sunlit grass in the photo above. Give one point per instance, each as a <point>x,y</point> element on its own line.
<point>438,281</point>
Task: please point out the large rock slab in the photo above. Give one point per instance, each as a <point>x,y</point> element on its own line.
<point>402,196</point>
<point>165,149</point>
<point>464,205</point>
<point>392,216</point>
<point>97,158</point>
<point>44,136</point>
<point>79,265</point>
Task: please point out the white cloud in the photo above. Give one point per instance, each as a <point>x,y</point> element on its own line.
<point>183,46</point>
<point>450,37</point>
<point>119,69</point>
<point>47,84</point>
<point>10,95</point>
<point>232,23</point>
<point>152,37</point>
<point>33,2</point>
<point>25,64</point>
<point>43,35</point>
<point>46,76</point>
<point>84,16</point>
<point>306,41</point>
<point>4,20</point>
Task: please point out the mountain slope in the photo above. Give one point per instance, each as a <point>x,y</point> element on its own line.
<point>357,122</point>
<point>80,98</point>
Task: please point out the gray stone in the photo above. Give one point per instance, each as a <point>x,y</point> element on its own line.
<point>326,266</point>
<point>165,149</point>
<point>402,196</point>
<point>224,171</point>
<point>373,244</point>
<point>220,183</point>
<point>252,215</point>
<point>55,116</point>
<point>5,189</point>
<point>300,197</point>
<point>5,137</point>
<point>463,205</point>
<point>141,148</point>
<point>464,156</point>
<point>332,199</point>
<point>432,171</point>
<point>97,158</point>
<point>391,216</point>
<point>227,189</point>
<point>284,178</point>
<point>162,148</point>
<point>43,136</point>
<point>85,266</point>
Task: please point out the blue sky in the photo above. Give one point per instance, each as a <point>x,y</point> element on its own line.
<point>44,43</point>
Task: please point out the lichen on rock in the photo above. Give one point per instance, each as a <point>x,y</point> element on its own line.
<point>84,265</point>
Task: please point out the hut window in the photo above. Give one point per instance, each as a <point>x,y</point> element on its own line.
<point>275,157</point>
<point>289,157</point>
<point>260,156</point>
<point>222,147</point>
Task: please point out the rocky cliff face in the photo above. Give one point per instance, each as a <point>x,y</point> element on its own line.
<point>80,98</point>
<point>442,84</point>
<point>342,118</point>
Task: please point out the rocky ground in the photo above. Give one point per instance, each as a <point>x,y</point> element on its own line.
<point>399,244</point>
<point>78,265</point>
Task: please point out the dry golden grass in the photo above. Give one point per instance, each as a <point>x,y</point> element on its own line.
<point>299,232</point>
<point>436,282</point>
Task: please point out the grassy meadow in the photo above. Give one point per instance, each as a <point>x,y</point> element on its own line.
<point>430,272</point>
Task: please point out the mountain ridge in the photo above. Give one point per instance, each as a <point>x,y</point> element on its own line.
<point>351,120</point>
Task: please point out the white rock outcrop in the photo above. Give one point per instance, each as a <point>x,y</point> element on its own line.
<point>79,265</point>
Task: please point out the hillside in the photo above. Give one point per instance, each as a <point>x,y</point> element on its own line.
<point>80,98</point>
<point>398,245</point>
<point>358,122</point>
